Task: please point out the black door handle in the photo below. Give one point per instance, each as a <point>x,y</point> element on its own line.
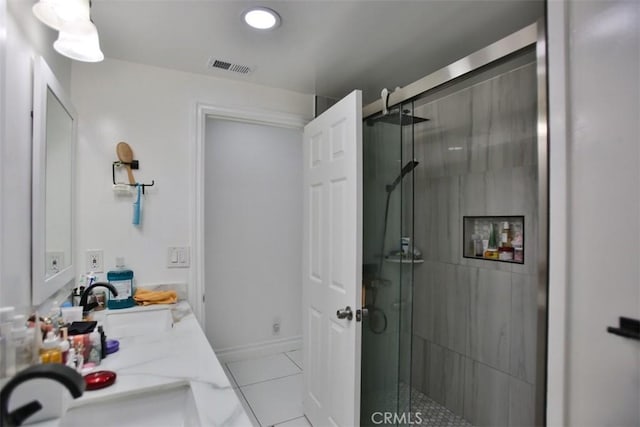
<point>629,328</point>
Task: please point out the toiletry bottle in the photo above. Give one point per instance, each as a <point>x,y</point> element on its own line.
<point>95,354</point>
<point>122,280</point>
<point>505,251</point>
<point>103,342</point>
<point>71,358</point>
<point>492,249</point>
<point>79,357</point>
<point>23,339</point>
<point>505,235</point>
<point>50,351</point>
<point>64,344</point>
<point>7,350</point>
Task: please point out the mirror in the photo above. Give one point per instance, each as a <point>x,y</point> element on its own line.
<point>54,135</point>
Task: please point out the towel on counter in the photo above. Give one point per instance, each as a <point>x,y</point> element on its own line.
<point>147,297</point>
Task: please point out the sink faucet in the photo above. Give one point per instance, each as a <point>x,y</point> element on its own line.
<point>68,377</point>
<point>85,295</point>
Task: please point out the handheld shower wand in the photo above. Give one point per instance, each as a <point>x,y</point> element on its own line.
<point>410,166</point>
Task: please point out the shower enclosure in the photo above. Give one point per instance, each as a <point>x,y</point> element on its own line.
<point>453,336</point>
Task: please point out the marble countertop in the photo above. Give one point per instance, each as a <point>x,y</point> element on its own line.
<point>181,355</point>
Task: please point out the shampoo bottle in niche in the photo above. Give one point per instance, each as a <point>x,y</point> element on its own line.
<point>122,280</point>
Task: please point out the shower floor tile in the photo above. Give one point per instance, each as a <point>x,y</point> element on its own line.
<point>433,414</point>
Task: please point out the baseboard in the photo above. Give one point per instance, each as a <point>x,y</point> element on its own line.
<point>261,349</point>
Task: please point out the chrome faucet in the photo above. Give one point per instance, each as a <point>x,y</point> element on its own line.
<point>86,307</point>
<point>66,376</point>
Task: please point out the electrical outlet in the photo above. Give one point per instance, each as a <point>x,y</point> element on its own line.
<point>55,262</point>
<point>95,259</point>
<point>275,327</point>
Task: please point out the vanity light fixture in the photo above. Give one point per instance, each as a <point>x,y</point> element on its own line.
<point>79,40</point>
<point>78,36</point>
<point>55,13</point>
<point>261,18</point>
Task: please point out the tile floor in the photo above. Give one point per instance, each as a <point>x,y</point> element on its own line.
<point>270,389</point>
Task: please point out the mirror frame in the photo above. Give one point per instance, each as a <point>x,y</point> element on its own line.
<point>43,287</point>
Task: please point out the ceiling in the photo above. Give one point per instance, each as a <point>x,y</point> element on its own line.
<point>326,47</point>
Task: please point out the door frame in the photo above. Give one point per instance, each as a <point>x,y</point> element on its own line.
<point>203,111</point>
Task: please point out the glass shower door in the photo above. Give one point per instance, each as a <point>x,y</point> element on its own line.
<point>387,239</point>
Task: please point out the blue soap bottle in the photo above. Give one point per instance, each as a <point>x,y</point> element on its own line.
<point>122,279</point>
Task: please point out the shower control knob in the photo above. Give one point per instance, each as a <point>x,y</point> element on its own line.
<point>345,313</point>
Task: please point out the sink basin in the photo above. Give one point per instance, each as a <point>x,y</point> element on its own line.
<point>169,406</point>
<point>136,323</point>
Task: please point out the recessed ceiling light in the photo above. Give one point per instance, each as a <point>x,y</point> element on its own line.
<point>261,18</point>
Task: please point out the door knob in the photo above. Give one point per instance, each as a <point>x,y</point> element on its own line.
<point>345,313</point>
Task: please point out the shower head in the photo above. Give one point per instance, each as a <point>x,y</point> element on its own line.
<point>405,119</point>
<point>405,170</point>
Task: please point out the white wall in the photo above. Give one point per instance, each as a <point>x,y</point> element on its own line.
<point>594,70</point>
<point>253,233</point>
<point>154,110</point>
<point>26,38</point>
<point>3,54</point>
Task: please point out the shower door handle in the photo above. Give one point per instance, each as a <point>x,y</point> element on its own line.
<point>345,313</point>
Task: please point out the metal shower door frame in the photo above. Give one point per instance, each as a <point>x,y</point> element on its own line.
<point>533,35</point>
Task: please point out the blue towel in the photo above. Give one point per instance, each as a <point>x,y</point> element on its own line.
<point>136,207</point>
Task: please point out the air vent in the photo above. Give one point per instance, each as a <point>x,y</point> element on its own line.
<point>228,66</point>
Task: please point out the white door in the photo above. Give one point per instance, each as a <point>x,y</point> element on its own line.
<point>332,263</point>
<point>599,75</point>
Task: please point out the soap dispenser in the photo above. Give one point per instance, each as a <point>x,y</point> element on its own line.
<point>122,279</point>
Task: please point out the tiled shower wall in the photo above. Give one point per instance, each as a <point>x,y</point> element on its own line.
<point>474,321</point>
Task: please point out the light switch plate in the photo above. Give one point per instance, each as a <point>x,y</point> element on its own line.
<point>178,257</point>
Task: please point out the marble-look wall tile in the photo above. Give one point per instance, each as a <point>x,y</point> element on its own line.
<point>423,301</point>
<point>446,377</point>
<point>379,362</point>
<point>435,385</point>
<point>417,364</point>
<point>428,146</point>
<point>499,192</point>
<point>504,192</point>
<point>521,403</point>
<point>489,322</point>
<point>454,377</point>
<point>473,191</point>
<point>488,126</point>
<point>525,183</point>
<point>494,173</point>
<point>486,396</point>
<point>481,110</point>
<point>441,212</point>
<point>513,117</point>
<point>523,327</point>
<point>426,363</point>
<point>523,102</point>
<point>454,124</point>
<point>451,306</point>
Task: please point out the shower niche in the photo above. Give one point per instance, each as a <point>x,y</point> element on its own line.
<point>494,238</point>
